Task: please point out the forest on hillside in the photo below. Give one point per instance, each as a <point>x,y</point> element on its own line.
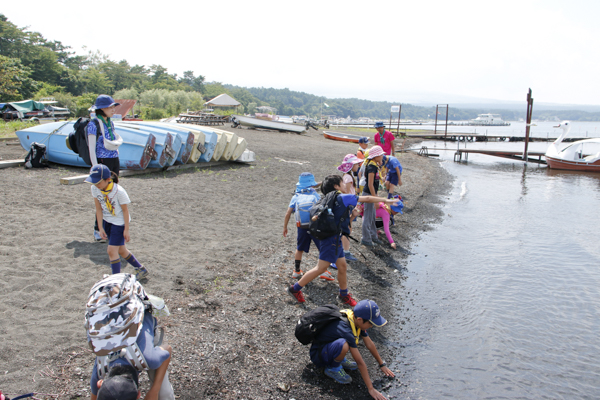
<point>32,67</point>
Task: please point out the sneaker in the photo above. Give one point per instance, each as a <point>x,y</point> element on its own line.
<point>365,243</point>
<point>141,273</point>
<point>349,256</point>
<point>297,295</point>
<point>327,276</point>
<point>98,238</point>
<point>332,265</point>
<point>348,300</point>
<point>349,365</point>
<point>377,241</point>
<point>297,274</point>
<point>338,374</point>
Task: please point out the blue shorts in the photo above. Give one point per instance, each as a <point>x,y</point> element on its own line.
<point>304,239</point>
<point>327,352</point>
<point>392,177</point>
<point>327,249</point>
<point>114,233</point>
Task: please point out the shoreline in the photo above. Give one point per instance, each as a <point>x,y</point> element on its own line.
<point>213,244</point>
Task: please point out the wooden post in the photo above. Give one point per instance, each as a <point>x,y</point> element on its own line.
<point>435,127</point>
<point>528,125</point>
<point>399,113</point>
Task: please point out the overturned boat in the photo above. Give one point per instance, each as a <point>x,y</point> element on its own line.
<point>135,153</point>
<point>250,122</point>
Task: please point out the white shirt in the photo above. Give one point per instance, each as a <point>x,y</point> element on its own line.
<point>117,196</point>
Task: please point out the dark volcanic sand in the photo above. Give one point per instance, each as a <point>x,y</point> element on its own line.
<point>212,240</point>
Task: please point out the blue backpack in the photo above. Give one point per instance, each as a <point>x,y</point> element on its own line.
<point>305,199</point>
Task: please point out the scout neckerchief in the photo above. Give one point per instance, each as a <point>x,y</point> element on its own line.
<point>381,137</point>
<point>355,330</point>
<point>106,192</point>
<point>111,136</point>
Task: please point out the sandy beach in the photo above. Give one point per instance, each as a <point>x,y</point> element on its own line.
<point>212,241</point>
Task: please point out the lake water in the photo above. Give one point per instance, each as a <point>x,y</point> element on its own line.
<point>502,298</point>
<point>540,130</point>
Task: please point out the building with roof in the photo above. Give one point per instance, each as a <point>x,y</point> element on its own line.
<point>223,101</point>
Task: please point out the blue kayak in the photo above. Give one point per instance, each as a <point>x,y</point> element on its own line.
<point>185,136</point>
<point>168,145</point>
<point>135,153</point>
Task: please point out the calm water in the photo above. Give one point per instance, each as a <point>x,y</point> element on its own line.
<point>502,299</point>
<point>541,129</point>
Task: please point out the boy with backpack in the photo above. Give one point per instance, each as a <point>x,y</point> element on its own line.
<point>121,330</point>
<point>340,334</point>
<point>301,203</point>
<point>330,218</point>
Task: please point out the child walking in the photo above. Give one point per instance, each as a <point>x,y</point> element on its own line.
<point>112,213</point>
<point>301,203</point>
<point>371,187</point>
<point>330,249</point>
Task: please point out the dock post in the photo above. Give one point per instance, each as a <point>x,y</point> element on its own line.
<point>528,125</point>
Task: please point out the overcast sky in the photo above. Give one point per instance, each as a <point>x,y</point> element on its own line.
<point>396,50</point>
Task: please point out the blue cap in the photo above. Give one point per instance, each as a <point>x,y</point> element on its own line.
<point>98,173</point>
<point>363,139</point>
<point>368,310</point>
<point>379,125</point>
<point>305,181</point>
<point>398,208</point>
<point>104,101</point>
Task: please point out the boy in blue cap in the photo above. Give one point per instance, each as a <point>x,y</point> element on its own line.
<point>331,345</point>
<point>302,201</point>
<point>112,215</point>
<point>394,174</point>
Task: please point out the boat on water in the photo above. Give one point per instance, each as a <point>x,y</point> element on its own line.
<point>136,152</point>
<point>582,155</point>
<point>342,137</point>
<point>265,124</point>
<point>488,120</point>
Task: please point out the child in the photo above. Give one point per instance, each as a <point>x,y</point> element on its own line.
<point>349,166</point>
<point>330,249</point>
<point>394,174</point>
<point>385,213</point>
<point>363,143</point>
<point>304,198</point>
<point>112,213</point>
<point>385,139</point>
<point>371,187</point>
<point>331,345</point>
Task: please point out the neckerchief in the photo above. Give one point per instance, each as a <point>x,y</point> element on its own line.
<point>106,192</point>
<point>110,132</point>
<point>355,330</point>
<point>381,137</point>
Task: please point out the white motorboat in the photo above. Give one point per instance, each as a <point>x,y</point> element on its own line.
<point>264,124</point>
<point>488,120</point>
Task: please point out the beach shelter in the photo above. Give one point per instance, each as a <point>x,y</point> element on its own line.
<point>223,101</point>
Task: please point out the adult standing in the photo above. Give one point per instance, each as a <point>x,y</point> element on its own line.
<point>385,139</point>
<point>103,141</point>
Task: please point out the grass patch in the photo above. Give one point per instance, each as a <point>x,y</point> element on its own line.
<point>8,129</point>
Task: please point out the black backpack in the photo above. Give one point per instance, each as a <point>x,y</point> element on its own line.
<point>313,322</point>
<point>322,222</point>
<point>78,139</point>
<point>36,158</point>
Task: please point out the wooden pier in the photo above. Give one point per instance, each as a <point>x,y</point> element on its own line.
<point>511,155</point>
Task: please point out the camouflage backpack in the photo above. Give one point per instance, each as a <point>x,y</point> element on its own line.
<point>113,320</point>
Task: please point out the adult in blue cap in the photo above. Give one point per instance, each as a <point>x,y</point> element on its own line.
<point>103,141</point>
<point>384,138</point>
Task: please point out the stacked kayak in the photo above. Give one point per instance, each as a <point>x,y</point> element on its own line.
<point>145,144</point>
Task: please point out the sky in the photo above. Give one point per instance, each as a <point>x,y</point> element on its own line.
<point>399,51</point>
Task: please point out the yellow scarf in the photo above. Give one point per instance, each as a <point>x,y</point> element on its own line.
<point>355,330</point>
<point>106,192</point>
